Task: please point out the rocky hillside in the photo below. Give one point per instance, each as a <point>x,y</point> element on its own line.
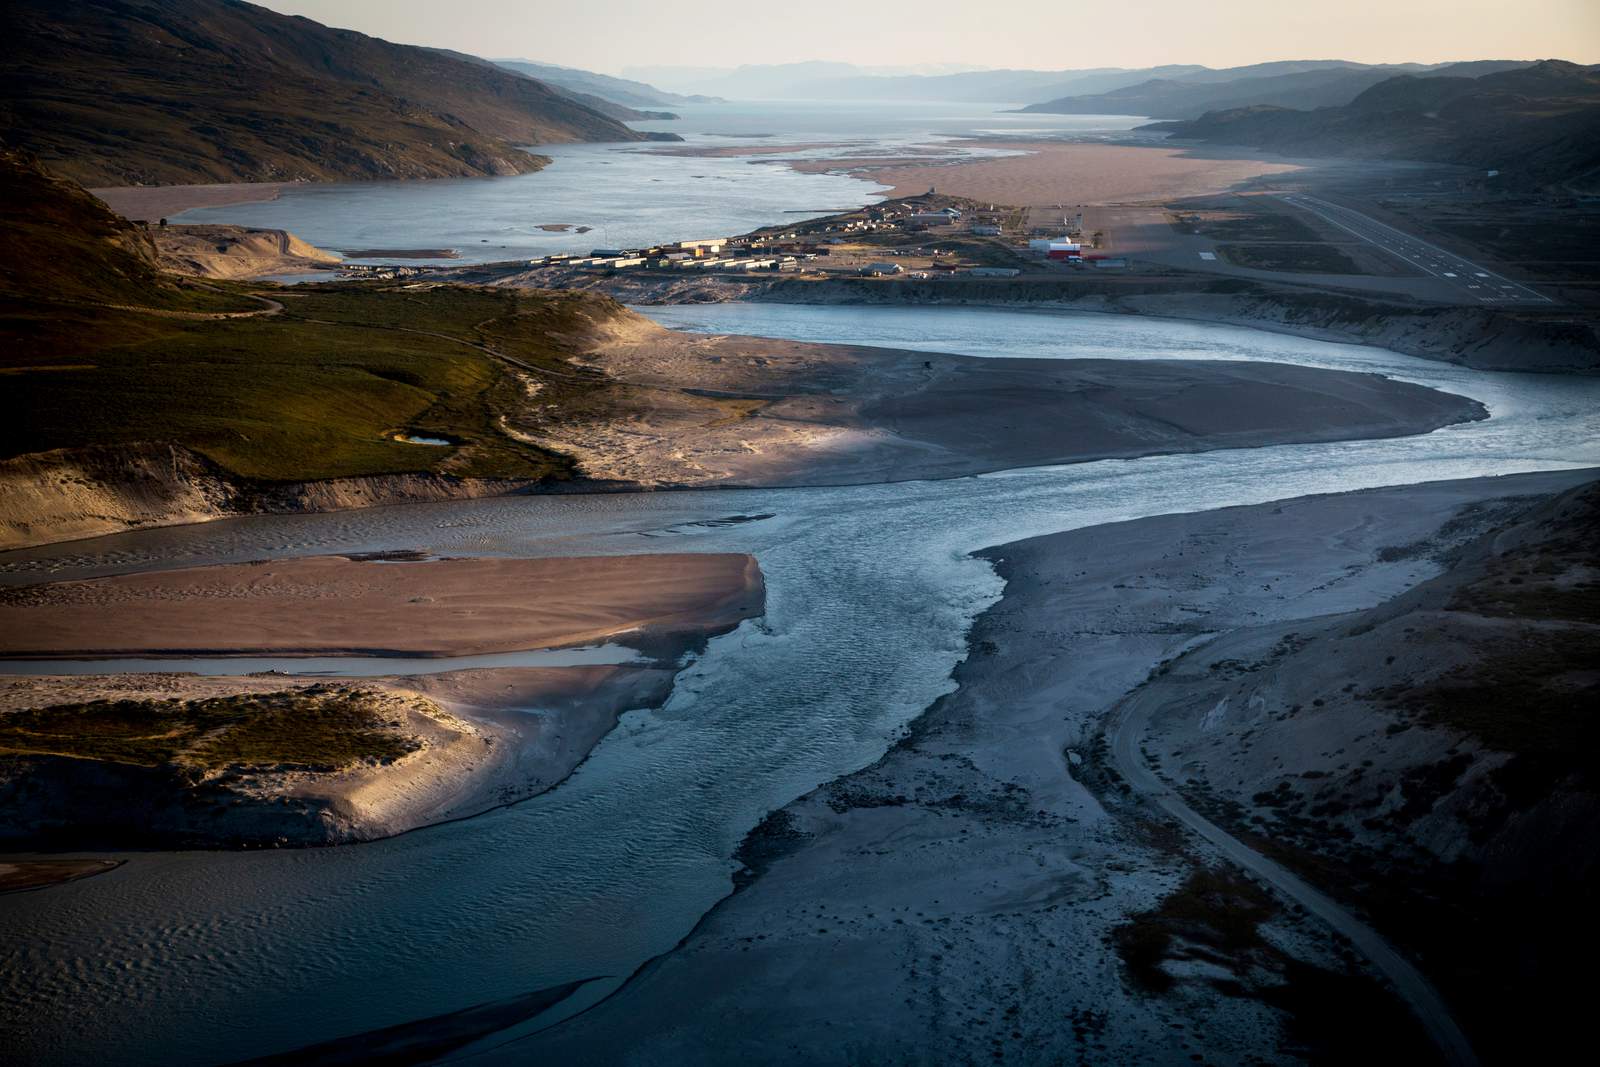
<point>625,91</point>
<point>1537,125</point>
<point>121,92</point>
<point>59,244</point>
<point>1427,758</point>
<point>1186,98</point>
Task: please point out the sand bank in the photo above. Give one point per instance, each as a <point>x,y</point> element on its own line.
<point>463,741</point>
<point>1052,172</point>
<point>18,875</point>
<point>333,605</point>
<point>148,203</point>
<point>236,252</point>
<point>483,739</point>
<point>735,151</point>
<point>729,410</point>
<point>971,882</point>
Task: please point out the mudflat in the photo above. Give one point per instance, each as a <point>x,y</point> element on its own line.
<point>147,203</point>
<point>332,605</point>
<point>1050,172</point>
<point>731,410</point>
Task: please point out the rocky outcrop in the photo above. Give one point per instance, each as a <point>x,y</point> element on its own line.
<point>236,252</point>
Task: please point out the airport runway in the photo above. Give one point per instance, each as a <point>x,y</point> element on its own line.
<point>1474,281</point>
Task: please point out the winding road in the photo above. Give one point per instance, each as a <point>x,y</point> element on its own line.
<point>1128,731</point>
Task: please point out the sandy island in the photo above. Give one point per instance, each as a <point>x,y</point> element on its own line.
<point>334,605</point>
<point>483,738</point>
<point>458,742</point>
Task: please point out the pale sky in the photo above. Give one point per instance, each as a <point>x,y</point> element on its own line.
<point>607,35</point>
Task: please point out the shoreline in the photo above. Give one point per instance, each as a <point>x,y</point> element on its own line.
<point>760,412</point>
<point>148,203</point>
<point>895,868</point>
<point>747,412</point>
<point>1477,337</point>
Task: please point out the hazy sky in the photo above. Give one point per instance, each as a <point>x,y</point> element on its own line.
<point>607,35</point>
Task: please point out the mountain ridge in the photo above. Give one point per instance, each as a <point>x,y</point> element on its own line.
<point>624,91</point>
<point>1191,97</point>
<point>157,92</point>
<point>1534,126</point>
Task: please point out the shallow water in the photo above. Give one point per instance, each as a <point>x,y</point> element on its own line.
<point>211,957</point>
<point>626,193</point>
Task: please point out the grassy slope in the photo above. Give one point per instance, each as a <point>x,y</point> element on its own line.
<point>323,728</point>
<point>115,92</point>
<point>314,392</point>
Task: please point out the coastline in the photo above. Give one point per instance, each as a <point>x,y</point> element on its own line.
<point>996,834</point>
<point>148,203</point>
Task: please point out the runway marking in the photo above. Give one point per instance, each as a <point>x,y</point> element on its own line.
<point>1415,251</point>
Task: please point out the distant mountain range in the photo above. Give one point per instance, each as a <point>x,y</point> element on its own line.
<point>1102,90</point>
<point>624,91</point>
<point>1193,94</point>
<point>1536,125</point>
<point>756,81</point>
<point>119,92</point>
<point>845,81</point>
<point>607,107</point>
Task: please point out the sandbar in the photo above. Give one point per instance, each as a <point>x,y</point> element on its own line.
<point>482,739</point>
<point>333,605</point>
<point>747,411</point>
<point>148,203</point>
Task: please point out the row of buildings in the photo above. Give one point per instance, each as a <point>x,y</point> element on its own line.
<point>705,254</point>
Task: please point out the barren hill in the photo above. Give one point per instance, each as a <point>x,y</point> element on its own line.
<point>1537,125</point>
<point>119,92</point>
